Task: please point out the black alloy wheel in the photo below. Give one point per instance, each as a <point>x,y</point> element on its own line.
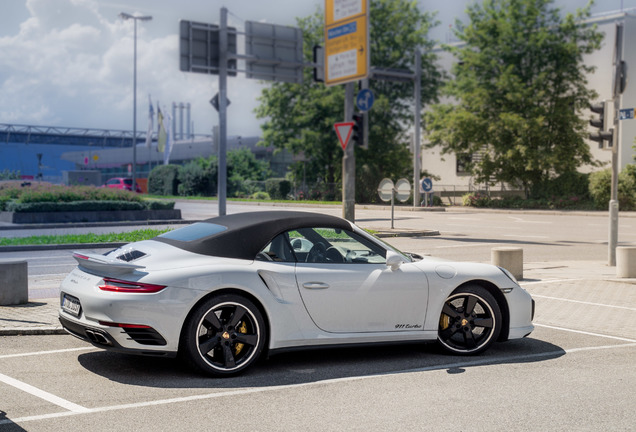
<point>470,321</point>
<point>224,336</point>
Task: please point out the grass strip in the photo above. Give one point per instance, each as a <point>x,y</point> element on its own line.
<point>124,237</point>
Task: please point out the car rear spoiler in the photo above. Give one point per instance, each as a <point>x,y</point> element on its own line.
<point>101,263</point>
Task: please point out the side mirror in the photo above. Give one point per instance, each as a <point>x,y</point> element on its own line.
<point>394,260</point>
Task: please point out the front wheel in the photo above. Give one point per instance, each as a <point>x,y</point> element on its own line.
<point>470,321</point>
<point>224,335</point>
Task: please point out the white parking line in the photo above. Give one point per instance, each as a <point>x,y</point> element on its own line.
<point>585,333</point>
<point>583,302</point>
<point>5,356</point>
<point>550,281</point>
<point>518,219</point>
<point>463,245</point>
<point>480,362</point>
<point>43,395</point>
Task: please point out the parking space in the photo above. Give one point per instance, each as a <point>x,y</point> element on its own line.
<point>53,382</point>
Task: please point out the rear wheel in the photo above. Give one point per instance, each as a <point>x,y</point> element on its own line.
<point>470,321</point>
<point>224,335</point>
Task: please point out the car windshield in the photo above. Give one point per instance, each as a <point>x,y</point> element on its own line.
<point>128,182</point>
<point>193,232</point>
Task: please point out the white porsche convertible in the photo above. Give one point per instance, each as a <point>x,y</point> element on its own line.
<point>226,291</point>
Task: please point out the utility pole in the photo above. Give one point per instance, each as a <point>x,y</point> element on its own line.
<point>349,163</point>
<point>417,157</point>
<point>222,186</point>
<point>617,90</point>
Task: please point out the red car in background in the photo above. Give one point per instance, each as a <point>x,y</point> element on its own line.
<point>122,183</point>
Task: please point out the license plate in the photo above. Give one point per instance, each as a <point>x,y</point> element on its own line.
<point>71,305</point>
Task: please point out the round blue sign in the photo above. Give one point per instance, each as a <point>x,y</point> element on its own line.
<point>365,100</point>
<point>427,184</point>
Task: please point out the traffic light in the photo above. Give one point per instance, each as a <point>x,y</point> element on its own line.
<point>602,123</point>
<point>358,129</point>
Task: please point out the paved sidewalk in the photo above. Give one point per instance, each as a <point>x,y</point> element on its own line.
<point>593,280</point>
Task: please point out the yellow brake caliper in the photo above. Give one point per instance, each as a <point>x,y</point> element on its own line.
<point>444,321</point>
<point>239,346</point>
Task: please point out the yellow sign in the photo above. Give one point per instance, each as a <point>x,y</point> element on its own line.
<point>342,10</point>
<point>346,41</point>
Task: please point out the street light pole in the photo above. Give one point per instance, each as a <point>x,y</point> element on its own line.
<point>126,16</point>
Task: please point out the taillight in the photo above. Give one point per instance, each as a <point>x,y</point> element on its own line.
<point>118,285</point>
<point>80,256</point>
<point>124,326</point>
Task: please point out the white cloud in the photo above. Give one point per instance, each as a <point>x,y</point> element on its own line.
<point>70,62</point>
<point>70,65</point>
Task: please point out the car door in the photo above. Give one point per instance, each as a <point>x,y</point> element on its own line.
<point>347,286</point>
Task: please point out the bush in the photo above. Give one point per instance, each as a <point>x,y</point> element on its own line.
<point>571,184</point>
<point>194,180</point>
<point>476,199</point>
<point>278,188</point>
<point>44,192</point>
<point>261,196</point>
<point>163,180</point>
<point>159,205</point>
<point>35,207</point>
<point>601,185</point>
<point>109,205</point>
<point>3,202</point>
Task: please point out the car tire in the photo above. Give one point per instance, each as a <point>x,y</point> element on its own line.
<point>470,321</point>
<point>224,335</point>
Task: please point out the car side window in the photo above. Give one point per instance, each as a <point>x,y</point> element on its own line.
<point>336,246</point>
<point>277,250</point>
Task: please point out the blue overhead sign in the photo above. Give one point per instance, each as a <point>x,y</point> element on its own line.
<point>626,114</point>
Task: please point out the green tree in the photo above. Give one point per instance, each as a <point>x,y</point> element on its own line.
<point>243,169</point>
<point>300,117</point>
<point>519,88</point>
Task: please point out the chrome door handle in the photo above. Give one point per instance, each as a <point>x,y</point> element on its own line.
<point>315,285</point>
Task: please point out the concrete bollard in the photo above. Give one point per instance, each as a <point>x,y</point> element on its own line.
<point>510,258</point>
<point>626,262</point>
<point>14,282</point>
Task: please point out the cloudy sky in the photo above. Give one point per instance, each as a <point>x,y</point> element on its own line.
<point>70,62</point>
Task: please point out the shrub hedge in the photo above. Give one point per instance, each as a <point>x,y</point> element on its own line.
<point>44,197</point>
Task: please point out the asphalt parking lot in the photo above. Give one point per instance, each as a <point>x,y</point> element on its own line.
<point>574,372</point>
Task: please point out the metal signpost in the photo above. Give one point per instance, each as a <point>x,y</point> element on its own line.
<point>389,191</point>
<point>273,52</point>
<point>617,89</point>
<point>346,59</point>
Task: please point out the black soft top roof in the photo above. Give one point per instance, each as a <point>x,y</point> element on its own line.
<point>248,233</point>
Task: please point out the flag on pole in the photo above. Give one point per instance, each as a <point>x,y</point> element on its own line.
<point>169,140</point>
<point>151,118</point>
<point>161,131</point>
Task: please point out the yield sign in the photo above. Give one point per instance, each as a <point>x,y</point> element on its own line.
<point>343,130</point>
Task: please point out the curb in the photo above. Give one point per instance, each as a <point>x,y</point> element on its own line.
<point>12,227</point>
<point>383,233</point>
<point>39,331</point>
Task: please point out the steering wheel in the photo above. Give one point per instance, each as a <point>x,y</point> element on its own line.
<point>317,253</point>
<point>334,255</point>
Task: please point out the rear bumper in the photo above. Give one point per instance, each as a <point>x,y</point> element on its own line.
<point>102,338</point>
